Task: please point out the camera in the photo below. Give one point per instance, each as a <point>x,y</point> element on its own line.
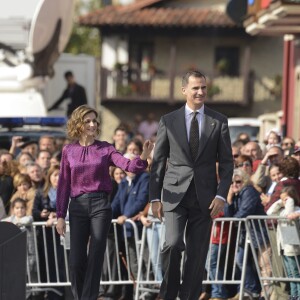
<point>25,139</point>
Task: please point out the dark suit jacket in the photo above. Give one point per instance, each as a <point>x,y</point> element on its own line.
<point>173,168</point>
<point>77,95</point>
<point>129,201</point>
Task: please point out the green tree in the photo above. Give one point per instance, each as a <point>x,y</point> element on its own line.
<point>84,40</point>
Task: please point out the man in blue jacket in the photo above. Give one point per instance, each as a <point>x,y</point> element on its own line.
<point>131,198</point>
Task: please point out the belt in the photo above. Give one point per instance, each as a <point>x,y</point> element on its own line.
<point>91,195</point>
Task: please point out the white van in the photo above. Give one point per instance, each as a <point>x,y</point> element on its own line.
<point>251,126</point>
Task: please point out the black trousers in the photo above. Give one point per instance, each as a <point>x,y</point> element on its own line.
<point>110,259</point>
<point>90,219</point>
<point>187,218</point>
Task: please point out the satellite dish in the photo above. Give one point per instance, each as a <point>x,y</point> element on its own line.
<point>237,10</point>
<point>45,22</point>
<point>49,33</point>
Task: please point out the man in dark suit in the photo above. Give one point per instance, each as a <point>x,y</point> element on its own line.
<point>184,186</point>
<point>74,92</point>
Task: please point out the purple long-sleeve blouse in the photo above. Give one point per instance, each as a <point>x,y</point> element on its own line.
<point>85,169</point>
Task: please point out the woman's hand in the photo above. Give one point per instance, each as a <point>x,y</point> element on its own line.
<point>294,215</point>
<point>265,199</point>
<point>45,213</point>
<point>50,222</point>
<point>230,195</point>
<point>147,149</point>
<point>145,221</point>
<point>52,215</point>
<point>61,226</point>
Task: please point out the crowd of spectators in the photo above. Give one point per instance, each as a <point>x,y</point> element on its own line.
<point>265,181</point>
<point>29,174</point>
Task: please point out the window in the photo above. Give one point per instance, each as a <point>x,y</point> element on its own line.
<point>227,60</point>
<point>141,57</point>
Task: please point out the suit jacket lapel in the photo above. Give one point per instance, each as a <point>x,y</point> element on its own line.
<point>207,126</point>
<point>180,130</point>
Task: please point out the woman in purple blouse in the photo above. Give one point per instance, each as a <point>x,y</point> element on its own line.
<point>84,177</point>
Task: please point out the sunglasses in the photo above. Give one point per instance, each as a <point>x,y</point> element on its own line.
<point>244,164</point>
<point>287,144</point>
<point>237,181</point>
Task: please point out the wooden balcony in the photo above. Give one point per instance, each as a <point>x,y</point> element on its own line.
<point>121,86</point>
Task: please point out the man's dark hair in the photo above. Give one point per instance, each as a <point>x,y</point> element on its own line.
<point>120,128</point>
<point>42,151</point>
<point>68,74</point>
<point>193,73</point>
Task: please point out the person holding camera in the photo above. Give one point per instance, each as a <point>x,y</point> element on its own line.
<point>23,144</point>
<point>261,178</point>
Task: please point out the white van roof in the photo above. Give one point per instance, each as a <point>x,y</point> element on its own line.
<point>244,122</point>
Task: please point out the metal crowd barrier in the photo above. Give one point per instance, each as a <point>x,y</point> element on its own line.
<point>136,260</point>
<point>124,251</point>
<point>150,271</point>
<point>225,264</point>
<point>257,236</point>
<point>225,268</point>
<point>47,257</point>
<point>269,259</point>
<point>47,260</point>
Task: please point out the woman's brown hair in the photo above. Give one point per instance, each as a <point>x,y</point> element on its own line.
<point>291,191</point>
<point>47,185</point>
<point>289,167</point>
<point>75,124</point>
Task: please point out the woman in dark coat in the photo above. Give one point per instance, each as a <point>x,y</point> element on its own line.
<point>243,201</point>
<point>44,209</point>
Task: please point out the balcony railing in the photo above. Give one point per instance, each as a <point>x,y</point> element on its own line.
<point>123,86</point>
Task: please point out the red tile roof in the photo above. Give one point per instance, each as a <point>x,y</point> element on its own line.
<point>156,17</point>
<point>139,4</point>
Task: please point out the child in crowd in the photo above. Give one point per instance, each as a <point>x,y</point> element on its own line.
<point>273,139</point>
<point>287,204</point>
<point>275,176</point>
<point>18,213</point>
<point>19,218</point>
<point>22,185</point>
